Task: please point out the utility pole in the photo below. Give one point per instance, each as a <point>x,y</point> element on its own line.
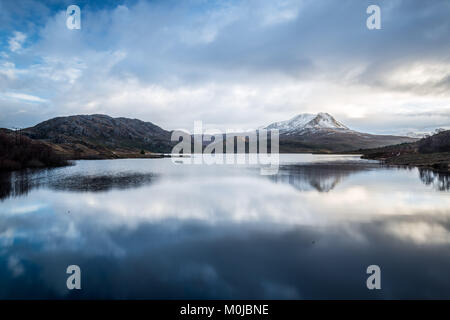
<point>17,135</point>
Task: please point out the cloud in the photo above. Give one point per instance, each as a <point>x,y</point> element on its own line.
<point>15,266</point>
<point>237,63</point>
<point>23,97</point>
<point>15,43</point>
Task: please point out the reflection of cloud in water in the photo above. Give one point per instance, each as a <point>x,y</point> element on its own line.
<point>242,199</point>
<point>196,260</point>
<point>323,177</point>
<point>15,266</point>
<point>420,232</point>
<point>216,233</point>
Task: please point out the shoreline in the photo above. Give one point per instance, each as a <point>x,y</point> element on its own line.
<point>434,161</point>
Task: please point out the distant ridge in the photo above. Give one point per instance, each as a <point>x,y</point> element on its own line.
<point>100,136</point>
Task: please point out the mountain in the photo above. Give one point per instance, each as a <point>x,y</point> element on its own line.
<point>323,133</point>
<point>432,151</point>
<point>320,177</point>
<point>100,136</point>
<point>416,135</point>
<point>420,135</point>
<point>307,122</point>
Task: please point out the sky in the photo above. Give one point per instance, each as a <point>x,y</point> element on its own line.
<point>229,64</point>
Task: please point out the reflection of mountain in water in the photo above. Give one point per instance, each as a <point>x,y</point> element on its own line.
<point>21,182</point>
<point>101,182</point>
<point>439,180</point>
<point>321,177</point>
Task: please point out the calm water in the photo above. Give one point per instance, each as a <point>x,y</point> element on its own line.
<point>153,229</point>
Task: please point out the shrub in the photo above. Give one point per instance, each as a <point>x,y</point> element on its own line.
<point>19,152</point>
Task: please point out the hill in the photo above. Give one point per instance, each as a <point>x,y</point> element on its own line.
<point>101,136</point>
<point>432,151</point>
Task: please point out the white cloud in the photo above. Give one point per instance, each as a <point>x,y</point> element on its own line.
<point>231,64</point>
<point>22,97</point>
<point>420,232</point>
<point>15,266</point>
<point>276,12</point>
<point>15,42</point>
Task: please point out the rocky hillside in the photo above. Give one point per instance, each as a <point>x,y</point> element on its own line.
<point>100,136</point>
<point>433,151</point>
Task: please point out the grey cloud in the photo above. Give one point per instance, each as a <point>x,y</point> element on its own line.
<point>402,122</point>
<point>193,44</point>
<point>326,32</point>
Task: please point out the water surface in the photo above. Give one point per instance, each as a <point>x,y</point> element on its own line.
<point>148,228</point>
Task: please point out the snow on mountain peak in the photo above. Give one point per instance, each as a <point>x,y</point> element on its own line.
<point>325,120</point>
<point>308,121</point>
<point>420,135</point>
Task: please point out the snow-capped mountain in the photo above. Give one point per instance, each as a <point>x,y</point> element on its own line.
<point>323,133</point>
<point>416,135</point>
<point>308,122</point>
<point>420,135</point>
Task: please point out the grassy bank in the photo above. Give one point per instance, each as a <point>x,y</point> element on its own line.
<point>19,152</point>
<point>440,161</point>
<point>432,152</point>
